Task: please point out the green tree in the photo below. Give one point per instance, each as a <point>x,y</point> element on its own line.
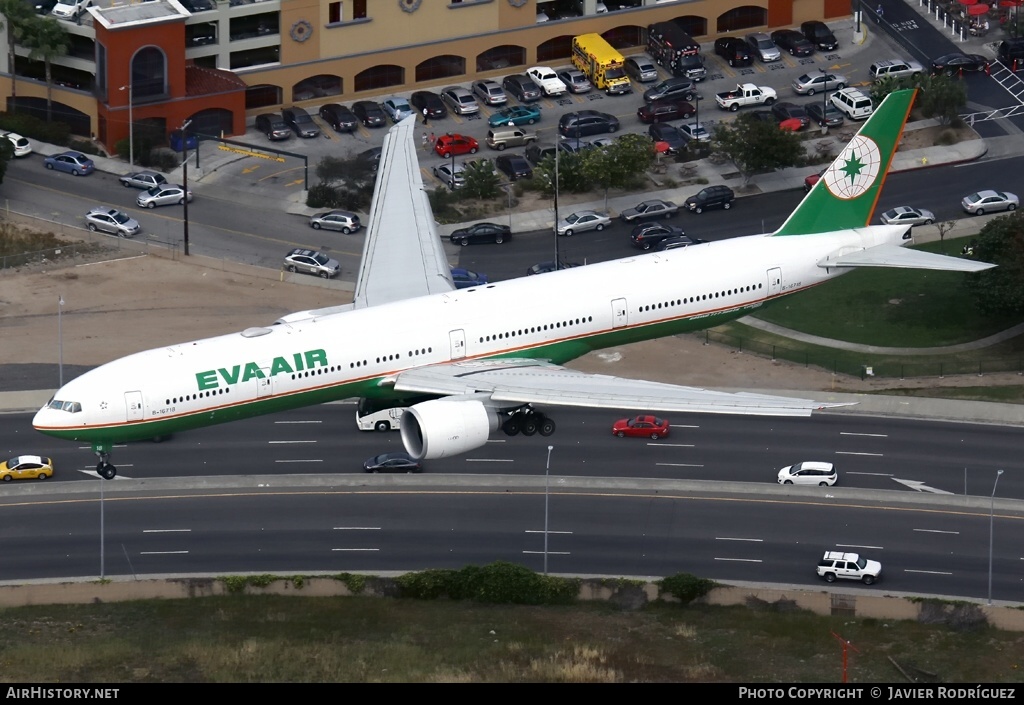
<point>1000,290</point>
<point>756,146</point>
<point>6,154</point>
<point>942,97</point>
<point>16,14</point>
<point>482,181</point>
<point>46,39</point>
<point>620,164</point>
<point>571,177</point>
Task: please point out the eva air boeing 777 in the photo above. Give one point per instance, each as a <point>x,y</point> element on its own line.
<point>491,356</point>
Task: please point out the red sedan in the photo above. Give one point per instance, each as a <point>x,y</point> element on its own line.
<point>447,145</point>
<point>643,426</point>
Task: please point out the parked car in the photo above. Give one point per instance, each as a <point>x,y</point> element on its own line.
<point>450,144</point>
<point>575,81</point>
<point>848,566</point>
<point>988,201</point>
<point>522,87</point>
<point>311,262</point>
<point>784,110</point>
<point>675,242</point>
<point>792,41</point>
<point>111,221</point>
<point>460,100</point>
<point>489,92</point>
<point>550,266</point>
<point>22,147</point>
<point>26,467</point>
<point>273,126</point>
<point>548,81</point>
<point>142,179</point>
<point>581,221</point>
<point>672,88</point>
<point>710,197</point>
<point>825,114</point>
<point>301,122</point>
<point>369,113</point>
<point>762,46</point>
<point>809,84</point>
<point>452,176</point>
<point>905,215</point>
<point>465,278</point>
<point>429,101</point>
<point>812,179</point>
<point>396,461</point>
<point>370,157</point>
<point>957,62</point>
<point>894,68</point>
<point>734,50</point>
<point>853,103</point>
<point>820,35</point>
<point>808,473</point>
<point>669,135</point>
<point>70,9</point>
<point>647,210</point>
<point>502,137</point>
<point>342,221</point>
<point>340,117</point>
<point>480,233</point>
<point>74,163</point>
<point>163,195</point>
<point>514,166</point>
<point>587,122</point>
<point>397,108</point>
<point>694,132</point>
<point>536,152</point>
<point>664,111</point>
<point>641,69</point>
<point>643,426</point>
<point>648,235</point>
<point>515,115</point>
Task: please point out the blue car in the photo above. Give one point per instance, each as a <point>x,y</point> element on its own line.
<point>464,278</point>
<point>515,115</point>
<point>72,162</point>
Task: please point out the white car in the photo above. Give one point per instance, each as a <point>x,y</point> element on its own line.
<point>695,132</point>
<point>547,80</point>
<point>809,473</point>
<point>70,9</point>
<point>21,145</point>
<point>905,215</point>
<point>836,565</point>
<point>581,221</point>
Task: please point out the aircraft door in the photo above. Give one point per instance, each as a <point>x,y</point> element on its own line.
<point>264,386</point>
<point>458,343</point>
<point>133,406</point>
<point>620,313</point>
<point>774,281</point>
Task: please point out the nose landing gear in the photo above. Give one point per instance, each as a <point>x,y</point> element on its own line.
<point>103,468</point>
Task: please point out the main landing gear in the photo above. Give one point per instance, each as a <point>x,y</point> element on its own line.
<point>103,468</point>
<point>528,422</point>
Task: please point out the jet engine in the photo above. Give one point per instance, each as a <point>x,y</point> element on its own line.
<point>441,428</point>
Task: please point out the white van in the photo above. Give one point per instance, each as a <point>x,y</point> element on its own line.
<point>383,414</point>
<point>853,103</point>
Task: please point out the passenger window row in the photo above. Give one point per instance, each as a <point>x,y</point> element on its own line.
<point>200,395</point>
<point>702,297</point>
<point>535,329</point>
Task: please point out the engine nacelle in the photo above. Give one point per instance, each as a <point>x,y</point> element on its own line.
<point>441,428</point>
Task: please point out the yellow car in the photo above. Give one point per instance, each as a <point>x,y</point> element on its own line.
<point>26,467</point>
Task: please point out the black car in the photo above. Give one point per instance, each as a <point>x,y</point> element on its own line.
<point>369,113</point>
<point>669,134</point>
<point>550,266</point>
<point>514,166</point>
<point>522,87</point>
<point>682,88</point>
<point>273,126</point>
<point>664,110</point>
<point>587,122</point>
<point>676,242</point>
<point>647,235</point>
<point>784,110</point>
<point>734,50</point>
<point>792,41</point>
<point>370,158</point>
<point>952,64</point>
<point>820,35</point>
<point>481,232</point>
<point>301,122</point>
<point>340,117</point>
<point>710,197</point>
<point>429,101</point>
<point>536,153</point>
<point>825,114</point>
<point>398,461</point>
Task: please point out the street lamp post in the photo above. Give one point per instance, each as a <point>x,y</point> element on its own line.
<point>184,177</point>
<point>547,467</point>
<point>991,526</point>
<point>131,127</point>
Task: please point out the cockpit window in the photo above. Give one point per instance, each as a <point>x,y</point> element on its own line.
<point>70,406</point>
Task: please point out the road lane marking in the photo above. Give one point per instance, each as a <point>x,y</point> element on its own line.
<point>357,528</point>
<point>489,460</point>
<point>678,465</point>
<point>734,538</point>
<point>282,442</point>
<point>937,531</point>
<point>741,560</point>
<point>853,545</point>
<point>162,553</point>
<point>165,531</point>
<point>355,549</point>
<point>869,435</point>
<point>850,452</point>
<point>311,460</point>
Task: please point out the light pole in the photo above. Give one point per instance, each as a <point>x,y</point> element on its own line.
<point>991,526</point>
<point>131,127</point>
<point>184,176</point>
<point>547,466</point>
<point>60,343</point>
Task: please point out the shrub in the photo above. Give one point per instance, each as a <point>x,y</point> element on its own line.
<point>57,133</point>
<point>498,583</point>
<point>685,587</point>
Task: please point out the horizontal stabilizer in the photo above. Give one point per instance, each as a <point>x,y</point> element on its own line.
<point>903,258</point>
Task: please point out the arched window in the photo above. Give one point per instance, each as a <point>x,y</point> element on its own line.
<point>149,74</point>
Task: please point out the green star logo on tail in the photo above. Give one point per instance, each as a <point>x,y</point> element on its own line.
<point>855,171</point>
<point>852,167</point>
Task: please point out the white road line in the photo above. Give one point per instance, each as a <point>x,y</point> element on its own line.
<point>93,473</point>
<point>489,460</point>
<point>120,445</point>
<point>550,553</point>
<point>356,549</point>
<point>284,442</point>
<point>937,531</point>
<point>733,538</point>
<point>495,440</point>
<point>677,425</point>
<point>926,572</point>
<point>541,531</point>
<point>875,474</point>
<point>849,452</point>
<point>294,422</point>
<point>356,528</point>
<point>741,560</point>
<point>166,531</point>
<point>853,545</point>
<point>311,460</point>
<point>678,465</point>
<point>672,445</point>
<point>869,435</point>
<point>162,553</point>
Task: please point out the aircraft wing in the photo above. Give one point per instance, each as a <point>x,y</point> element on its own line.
<point>904,258</point>
<point>524,381</point>
<point>403,256</point>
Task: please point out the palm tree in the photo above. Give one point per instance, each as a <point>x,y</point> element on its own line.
<point>46,39</point>
<point>16,14</point>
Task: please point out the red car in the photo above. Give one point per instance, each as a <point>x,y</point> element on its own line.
<point>643,426</point>
<point>447,145</point>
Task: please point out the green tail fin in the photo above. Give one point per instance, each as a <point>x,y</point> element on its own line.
<point>846,194</point>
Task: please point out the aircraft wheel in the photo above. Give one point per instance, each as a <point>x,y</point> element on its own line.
<point>511,427</point>
<point>546,427</point>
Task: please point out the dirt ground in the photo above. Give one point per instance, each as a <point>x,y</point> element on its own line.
<point>116,307</point>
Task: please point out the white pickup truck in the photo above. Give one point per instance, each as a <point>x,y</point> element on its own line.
<point>745,94</point>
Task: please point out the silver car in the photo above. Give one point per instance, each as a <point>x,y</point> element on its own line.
<point>694,132</point>
<point>810,83</point>
<point>460,100</point>
<point>582,221</point>
<point>343,221</point>
<point>905,215</point>
<point>641,69</point>
<point>989,201</point>
<point>763,47</point>
<point>490,92</point>
<point>575,80</point>
<point>452,178</point>
<point>111,221</point>
<point>143,179</point>
<point>311,262</point>
<point>163,195</point>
